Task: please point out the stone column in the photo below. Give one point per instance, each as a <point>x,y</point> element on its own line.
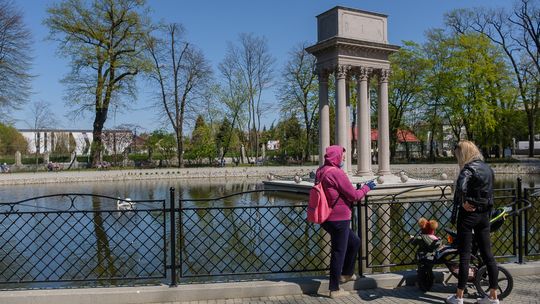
<point>348,160</point>
<point>341,108</point>
<point>324,115</point>
<point>46,158</point>
<point>18,159</point>
<point>363,125</point>
<point>383,158</point>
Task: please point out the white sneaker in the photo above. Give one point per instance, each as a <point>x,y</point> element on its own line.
<point>338,293</point>
<point>487,300</point>
<point>347,278</point>
<point>453,300</point>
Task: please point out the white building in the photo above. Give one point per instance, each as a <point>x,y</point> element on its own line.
<point>49,140</point>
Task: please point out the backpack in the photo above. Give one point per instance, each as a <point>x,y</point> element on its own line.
<point>318,209</point>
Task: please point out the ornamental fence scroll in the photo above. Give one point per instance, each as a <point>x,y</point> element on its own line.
<point>94,238</point>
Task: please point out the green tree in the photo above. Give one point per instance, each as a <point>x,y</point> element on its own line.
<point>476,68</point>
<point>409,70</point>
<point>202,142</point>
<point>291,138</point>
<point>11,141</point>
<point>105,41</point>
<point>163,143</point>
<point>516,32</point>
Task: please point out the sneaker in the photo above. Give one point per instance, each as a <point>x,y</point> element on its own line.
<point>347,278</point>
<point>453,300</point>
<point>338,293</point>
<point>487,300</point>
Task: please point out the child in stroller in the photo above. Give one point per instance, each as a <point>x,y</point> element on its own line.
<point>428,245</point>
<point>449,256</point>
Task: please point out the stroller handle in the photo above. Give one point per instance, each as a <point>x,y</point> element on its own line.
<point>518,211</point>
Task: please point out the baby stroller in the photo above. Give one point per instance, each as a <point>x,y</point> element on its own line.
<point>449,256</point>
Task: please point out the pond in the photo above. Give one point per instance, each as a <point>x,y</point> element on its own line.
<point>189,189</point>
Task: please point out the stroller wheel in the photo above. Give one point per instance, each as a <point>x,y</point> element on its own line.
<point>505,282</point>
<point>425,278</point>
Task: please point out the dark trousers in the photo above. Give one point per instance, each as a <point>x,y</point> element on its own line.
<point>344,249</point>
<point>479,222</point>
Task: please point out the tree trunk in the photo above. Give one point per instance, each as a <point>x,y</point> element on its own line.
<point>97,133</point>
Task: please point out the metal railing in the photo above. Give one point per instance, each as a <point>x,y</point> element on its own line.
<point>82,237</point>
<point>87,237</point>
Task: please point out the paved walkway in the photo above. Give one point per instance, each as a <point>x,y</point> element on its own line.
<point>526,290</point>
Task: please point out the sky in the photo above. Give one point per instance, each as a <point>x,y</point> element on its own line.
<point>210,25</point>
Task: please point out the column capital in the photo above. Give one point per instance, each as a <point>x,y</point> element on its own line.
<point>342,71</point>
<point>384,75</point>
<point>363,73</point>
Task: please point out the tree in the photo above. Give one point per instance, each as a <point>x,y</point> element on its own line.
<point>290,135</point>
<point>105,41</point>
<point>42,118</point>
<point>252,64</point>
<point>409,69</point>
<point>15,58</point>
<point>161,142</point>
<point>234,97</point>
<point>298,92</point>
<point>202,143</point>
<point>517,33</point>
<point>11,140</point>
<point>181,72</point>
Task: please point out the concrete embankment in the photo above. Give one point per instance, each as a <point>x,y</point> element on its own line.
<point>414,170</point>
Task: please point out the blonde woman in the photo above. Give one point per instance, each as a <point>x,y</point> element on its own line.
<point>473,201</point>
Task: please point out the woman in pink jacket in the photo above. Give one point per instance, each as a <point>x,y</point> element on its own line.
<point>340,194</point>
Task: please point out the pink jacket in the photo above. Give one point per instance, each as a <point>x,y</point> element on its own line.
<point>339,190</point>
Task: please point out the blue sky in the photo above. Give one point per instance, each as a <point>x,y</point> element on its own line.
<point>210,25</point>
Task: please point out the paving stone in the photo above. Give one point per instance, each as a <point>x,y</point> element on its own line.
<point>526,290</point>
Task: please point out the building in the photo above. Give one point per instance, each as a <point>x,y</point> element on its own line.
<point>79,141</point>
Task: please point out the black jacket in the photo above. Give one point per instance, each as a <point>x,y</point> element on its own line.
<point>474,185</point>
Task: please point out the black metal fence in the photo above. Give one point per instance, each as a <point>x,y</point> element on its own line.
<point>86,237</point>
<point>82,237</point>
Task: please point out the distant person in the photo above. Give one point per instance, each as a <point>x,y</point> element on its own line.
<point>4,168</point>
<point>341,195</point>
<point>473,201</point>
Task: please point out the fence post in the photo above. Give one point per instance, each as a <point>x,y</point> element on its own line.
<point>520,222</point>
<point>526,225</point>
<point>173,238</point>
<point>359,232</point>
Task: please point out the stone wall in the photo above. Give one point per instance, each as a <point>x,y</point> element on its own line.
<point>259,172</point>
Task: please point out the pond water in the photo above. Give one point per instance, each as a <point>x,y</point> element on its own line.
<point>188,189</point>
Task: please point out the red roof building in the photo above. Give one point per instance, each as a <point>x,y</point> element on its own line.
<point>402,135</point>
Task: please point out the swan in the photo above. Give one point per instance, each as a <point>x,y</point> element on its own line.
<point>125,204</point>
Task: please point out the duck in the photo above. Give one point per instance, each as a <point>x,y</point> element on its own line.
<point>125,204</point>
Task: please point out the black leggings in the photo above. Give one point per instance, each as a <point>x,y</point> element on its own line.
<point>479,222</point>
<point>345,244</point>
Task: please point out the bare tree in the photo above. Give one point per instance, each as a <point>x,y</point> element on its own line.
<point>252,62</point>
<point>517,33</point>
<point>15,59</point>
<point>234,97</point>
<point>105,41</point>
<point>182,73</point>
<point>298,92</point>
<point>42,118</point>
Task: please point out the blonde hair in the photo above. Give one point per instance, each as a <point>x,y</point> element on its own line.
<point>466,151</point>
